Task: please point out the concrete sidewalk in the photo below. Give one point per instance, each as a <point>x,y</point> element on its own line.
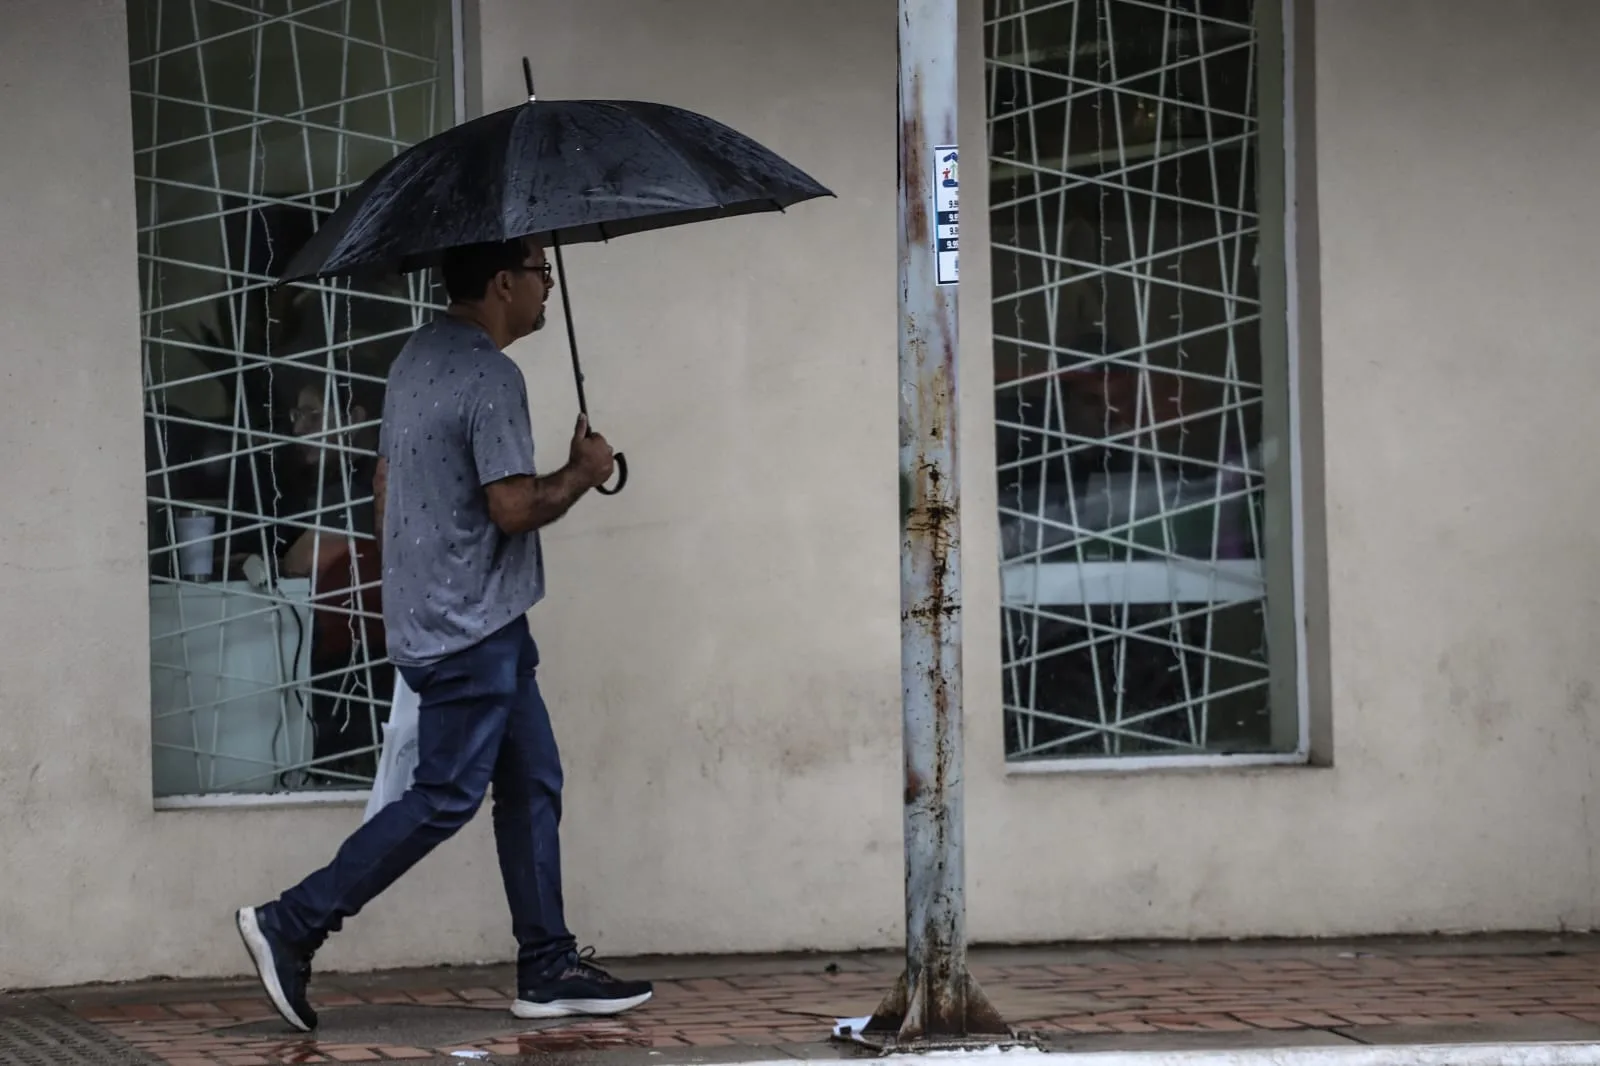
<point>1436,1002</point>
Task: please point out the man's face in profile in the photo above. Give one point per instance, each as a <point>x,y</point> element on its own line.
<point>535,283</point>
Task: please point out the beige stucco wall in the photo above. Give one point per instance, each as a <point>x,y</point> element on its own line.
<point>721,640</point>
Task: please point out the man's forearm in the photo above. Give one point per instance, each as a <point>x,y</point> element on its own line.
<point>552,496</point>
<point>532,503</point>
<point>296,562</point>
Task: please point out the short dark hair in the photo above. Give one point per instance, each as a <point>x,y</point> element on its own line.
<point>468,269</point>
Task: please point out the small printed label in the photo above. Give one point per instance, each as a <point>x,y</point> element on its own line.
<point>946,213</point>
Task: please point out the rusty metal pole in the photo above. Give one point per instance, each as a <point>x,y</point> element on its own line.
<point>936,999</point>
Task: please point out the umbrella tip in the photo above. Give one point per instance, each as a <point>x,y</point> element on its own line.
<point>527,77</point>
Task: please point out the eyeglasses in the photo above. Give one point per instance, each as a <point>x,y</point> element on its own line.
<point>544,270</point>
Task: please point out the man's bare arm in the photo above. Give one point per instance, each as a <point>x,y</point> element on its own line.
<point>311,547</point>
<point>380,496</point>
<point>523,504</point>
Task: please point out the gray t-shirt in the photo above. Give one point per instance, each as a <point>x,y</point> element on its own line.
<point>455,418</point>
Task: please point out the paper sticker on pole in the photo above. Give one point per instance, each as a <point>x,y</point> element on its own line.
<point>946,213</point>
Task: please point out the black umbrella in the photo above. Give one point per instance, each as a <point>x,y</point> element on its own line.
<point>567,171</point>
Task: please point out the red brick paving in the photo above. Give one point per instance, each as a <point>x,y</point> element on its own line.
<point>1243,989</point>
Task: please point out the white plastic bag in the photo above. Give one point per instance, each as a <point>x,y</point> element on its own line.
<point>398,761</point>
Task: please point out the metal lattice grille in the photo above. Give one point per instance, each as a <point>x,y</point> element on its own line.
<point>1124,146</point>
<point>251,119</point>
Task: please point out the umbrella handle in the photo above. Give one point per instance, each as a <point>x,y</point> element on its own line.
<point>622,476</point>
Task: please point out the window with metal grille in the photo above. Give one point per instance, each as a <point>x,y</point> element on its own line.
<point>251,119</point>
<point>1143,417</point>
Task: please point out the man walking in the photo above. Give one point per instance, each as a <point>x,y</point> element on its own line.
<point>459,508</point>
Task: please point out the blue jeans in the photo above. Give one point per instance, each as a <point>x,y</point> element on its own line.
<point>482,720</point>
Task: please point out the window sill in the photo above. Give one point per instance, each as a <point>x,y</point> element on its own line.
<point>262,800</point>
<point>1147,765</point>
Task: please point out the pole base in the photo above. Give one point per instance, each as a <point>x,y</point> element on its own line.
<point>917,1014</point>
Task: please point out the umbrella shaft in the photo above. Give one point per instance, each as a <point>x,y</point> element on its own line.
<point>572,330</point>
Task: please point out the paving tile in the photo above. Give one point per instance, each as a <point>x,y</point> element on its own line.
<point>1270,1021</point>
<point>338,999</point>
<point>1474,1032</point>
<point>1196,1041</point>
<point>474,994</point>
<point>711,1038</point>
<point>197,1010</point>
<point>147,1012</point>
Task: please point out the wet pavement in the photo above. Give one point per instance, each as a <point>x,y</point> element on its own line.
<point>1124,997</point>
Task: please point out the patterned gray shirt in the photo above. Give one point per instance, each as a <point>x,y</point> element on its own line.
<point>455,418</point>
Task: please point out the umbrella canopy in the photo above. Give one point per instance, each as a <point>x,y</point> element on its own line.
<point>568,171</point>
<point>571,170</point>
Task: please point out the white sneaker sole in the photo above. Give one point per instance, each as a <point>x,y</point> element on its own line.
<point>567,1008</point>
<point>255,942</point>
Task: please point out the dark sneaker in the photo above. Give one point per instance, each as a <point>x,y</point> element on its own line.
<point>579,987</point>
<point>284,972</point>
